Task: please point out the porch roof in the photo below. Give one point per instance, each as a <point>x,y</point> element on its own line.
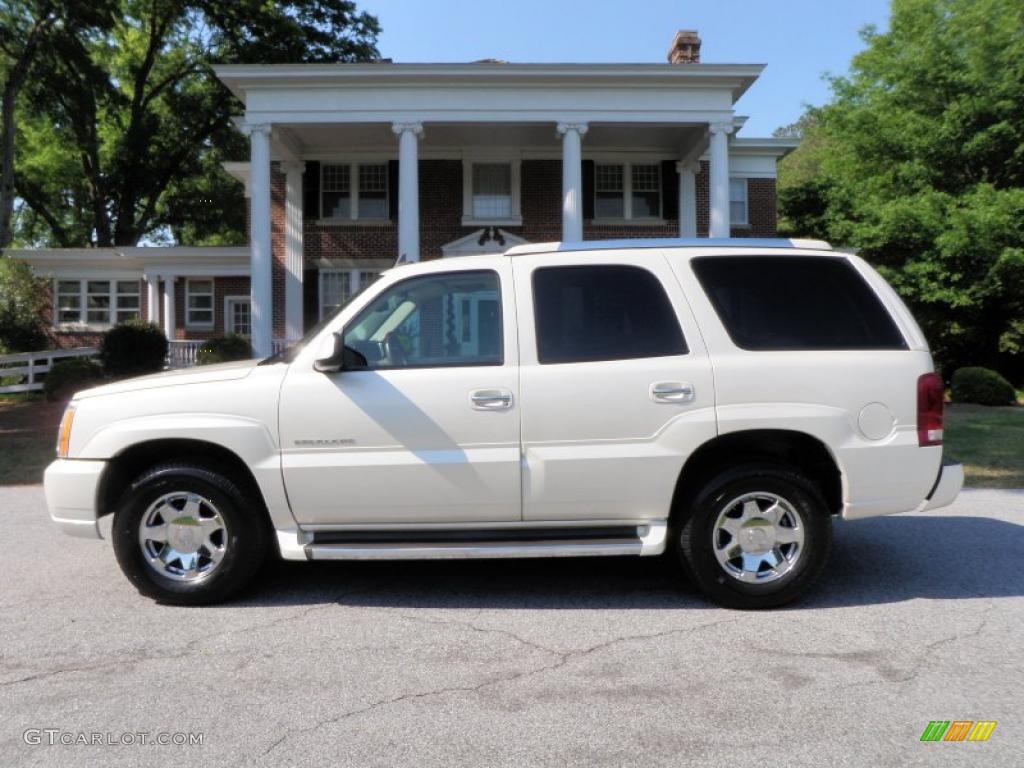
<point>488,92</point>
<point>171,261</point>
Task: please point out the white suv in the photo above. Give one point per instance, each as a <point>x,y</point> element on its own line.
<point>724,399</point>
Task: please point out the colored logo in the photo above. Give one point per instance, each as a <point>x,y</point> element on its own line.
<point>958,730</point>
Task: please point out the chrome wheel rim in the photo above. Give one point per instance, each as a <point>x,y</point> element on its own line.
<point>758,537</point>
<point>183,536</point>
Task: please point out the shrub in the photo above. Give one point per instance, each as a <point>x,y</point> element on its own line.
<point>68,376</point>
<point>223,350</point>
<point>133,348</point>
<point>21,301</point>
<point>982,386</point>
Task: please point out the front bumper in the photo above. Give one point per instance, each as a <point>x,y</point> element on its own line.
<point>951,480</point>
<point>71,489</point>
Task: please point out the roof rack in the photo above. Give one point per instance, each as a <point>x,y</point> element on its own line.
<point>670,242</point>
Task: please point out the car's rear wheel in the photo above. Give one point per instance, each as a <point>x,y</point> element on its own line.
<point>187,535</point>
<point>755,536</point>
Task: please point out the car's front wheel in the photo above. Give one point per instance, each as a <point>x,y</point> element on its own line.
<point>186,534</point>
<point>755,536</point>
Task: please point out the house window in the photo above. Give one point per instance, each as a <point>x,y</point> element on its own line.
<point>199,303</point>
<point>491,193</point>
<point>238,315</point>
<point>339,286</point>
<point>97,302</point>
<point>627,191</point>
<point>738,201</point>
<point>354,191</point>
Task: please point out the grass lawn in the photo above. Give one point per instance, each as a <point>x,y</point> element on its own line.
<point>28,437</point>
<point>990,443</point>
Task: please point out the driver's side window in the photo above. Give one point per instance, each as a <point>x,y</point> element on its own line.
<point>449,319</point>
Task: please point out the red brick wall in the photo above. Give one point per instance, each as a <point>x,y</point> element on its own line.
<point>441,214</point>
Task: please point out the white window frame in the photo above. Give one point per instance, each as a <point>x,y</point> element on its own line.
<point>353,191</point>
<point>354,277</point>
<point>468,219</point>
<point>213,302</point>
<point>627,191</point>
<point>745,221</point>
<point>228,318</point>
<point>83,301</point>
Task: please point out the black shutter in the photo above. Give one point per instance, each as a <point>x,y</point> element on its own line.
<point>588,189</point>
<point>393,189</point>
<point>311,190</point>
<point>669,190</point>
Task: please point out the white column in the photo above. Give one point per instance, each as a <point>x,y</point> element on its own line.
<point>293,251</point>
<point>719,171</point>
<point>169,321</point>
<point>153,299</point>
<point>572,180</point>
<point>408,190</point>
<point>688,198</point>
<point>261,291</point>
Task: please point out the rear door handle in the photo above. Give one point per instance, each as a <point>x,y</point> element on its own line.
<point>490,399</point>
<point>672,392</point>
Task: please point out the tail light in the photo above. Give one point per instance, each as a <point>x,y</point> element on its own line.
<point>930,395</point>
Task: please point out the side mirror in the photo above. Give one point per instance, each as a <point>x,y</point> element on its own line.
<point>343,358</point>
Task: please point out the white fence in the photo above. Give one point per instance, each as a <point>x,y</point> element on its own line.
<point>182,353</point>
<point>29,366</point>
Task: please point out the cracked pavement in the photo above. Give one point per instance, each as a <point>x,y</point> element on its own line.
<point>556,662</point>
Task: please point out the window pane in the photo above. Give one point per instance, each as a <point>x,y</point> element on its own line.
<point>123,317</point>
<point>796,302</point>
<point>97,302</point>
<point>366,278</point>
<point>492,190</point>
<point>451,319</point>
<point>609,200</point>
<point>738,201</point>
<point>127,287</point>
<point>200,286</point>
<point>335,192</point>
<point>68,286</point>
<point>334,290</point>
<point>373,192</point>
<point>603,313</point>
<point>239,319</point>
<point>336,205</point>
<point>204,301</point>
<point>646,191</point>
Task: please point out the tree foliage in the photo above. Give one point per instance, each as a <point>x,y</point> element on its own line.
<point>122,130</point>
<point>918,161</point>
<point>21,303</point>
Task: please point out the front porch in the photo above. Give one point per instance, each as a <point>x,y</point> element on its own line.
<point>354,166</point>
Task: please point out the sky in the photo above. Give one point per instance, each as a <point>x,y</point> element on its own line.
<point>799,40</point>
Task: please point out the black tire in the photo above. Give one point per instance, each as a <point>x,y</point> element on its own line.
<point>695,536</point>
<point>245,543</point>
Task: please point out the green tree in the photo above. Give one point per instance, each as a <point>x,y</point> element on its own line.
<point>28,28</point>
<point>122,132</point>
<point>21,303</point>
<point>918,161</point>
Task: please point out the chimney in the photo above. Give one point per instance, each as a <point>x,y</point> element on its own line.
<point>685,47</point>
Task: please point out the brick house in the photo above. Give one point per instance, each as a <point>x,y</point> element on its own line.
<point>353,166</point>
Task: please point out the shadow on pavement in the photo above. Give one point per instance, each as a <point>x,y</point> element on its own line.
<point>881,560</point>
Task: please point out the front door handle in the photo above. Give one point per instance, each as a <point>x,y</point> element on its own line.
<point>490,399</point>
<point>672,392</point>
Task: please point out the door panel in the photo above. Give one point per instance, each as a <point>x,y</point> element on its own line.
<point>603,438</point>
<point>406,442</point>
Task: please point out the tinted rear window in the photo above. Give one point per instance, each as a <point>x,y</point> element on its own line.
<point>609,312</point>
<point>796,302</point>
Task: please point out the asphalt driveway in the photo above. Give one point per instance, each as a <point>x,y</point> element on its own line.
<point>563,662</point>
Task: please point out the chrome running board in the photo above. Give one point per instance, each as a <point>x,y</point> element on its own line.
<point>648,539</point>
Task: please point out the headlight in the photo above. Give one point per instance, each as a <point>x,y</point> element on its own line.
<point>64,436</point>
